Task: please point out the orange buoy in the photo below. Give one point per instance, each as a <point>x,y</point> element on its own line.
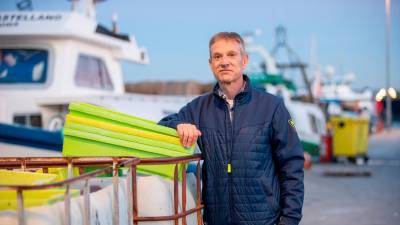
<point>307,161</point>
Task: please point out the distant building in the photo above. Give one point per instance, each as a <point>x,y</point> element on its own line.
<point>169,87</point>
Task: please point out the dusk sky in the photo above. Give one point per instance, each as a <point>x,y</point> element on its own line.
<point>347,34</point>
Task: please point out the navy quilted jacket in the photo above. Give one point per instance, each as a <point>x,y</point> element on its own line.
<point>265,185</point>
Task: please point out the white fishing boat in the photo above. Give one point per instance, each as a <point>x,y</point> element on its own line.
<point>342,99</point>
<point>50,58</point>
<point>309,117</point>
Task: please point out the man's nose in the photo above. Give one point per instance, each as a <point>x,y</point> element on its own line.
<point>224,61</point>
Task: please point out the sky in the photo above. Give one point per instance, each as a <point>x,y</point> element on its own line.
<point>348,35</point>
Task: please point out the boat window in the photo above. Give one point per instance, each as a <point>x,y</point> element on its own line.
<point>23,66</point>
<point>92,72</point>
<point>30,120</point>
<point>314,123</point>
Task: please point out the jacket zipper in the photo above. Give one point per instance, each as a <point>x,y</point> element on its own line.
<point>229,155</point>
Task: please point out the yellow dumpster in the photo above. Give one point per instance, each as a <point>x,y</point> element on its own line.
<point>350,137</point>
<point>363,137</point>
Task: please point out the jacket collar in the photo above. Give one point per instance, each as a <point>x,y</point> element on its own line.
<point>240,98</point>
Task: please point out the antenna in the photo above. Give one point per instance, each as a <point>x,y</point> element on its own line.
<point>281,42</point>
<point>115,28</point>
<point>294,61</point>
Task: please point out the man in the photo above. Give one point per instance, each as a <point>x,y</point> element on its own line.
<point>253,161</point>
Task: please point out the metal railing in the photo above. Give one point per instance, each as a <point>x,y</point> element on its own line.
<point>111,164</point>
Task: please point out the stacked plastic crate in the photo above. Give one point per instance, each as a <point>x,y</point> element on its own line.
<point>96,131</point>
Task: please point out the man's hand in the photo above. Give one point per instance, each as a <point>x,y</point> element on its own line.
<point>188,134</point>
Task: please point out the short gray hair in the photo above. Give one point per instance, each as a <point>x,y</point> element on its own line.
<point>227,36</point>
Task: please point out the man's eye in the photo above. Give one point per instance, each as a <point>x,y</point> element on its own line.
<point>216,57</point>
<point>232,54</point>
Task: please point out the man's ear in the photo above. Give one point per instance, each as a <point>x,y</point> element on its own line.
<point>245,61</point>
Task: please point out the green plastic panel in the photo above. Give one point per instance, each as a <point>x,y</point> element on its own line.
<point>126,137</point>
<point>126,119</point>
<point>145,149</point>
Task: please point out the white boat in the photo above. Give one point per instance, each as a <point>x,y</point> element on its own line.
<point>48,59</point>
<point>309,117</point>
<point>338,95</point>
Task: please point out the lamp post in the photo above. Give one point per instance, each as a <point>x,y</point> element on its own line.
<point>388,99</point>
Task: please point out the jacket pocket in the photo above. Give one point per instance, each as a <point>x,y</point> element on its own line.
<point>271,192</point>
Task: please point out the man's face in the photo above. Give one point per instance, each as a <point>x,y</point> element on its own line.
<point>227,61</point>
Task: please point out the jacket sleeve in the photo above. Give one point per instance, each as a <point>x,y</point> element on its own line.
<point>289,157</point>
<point>183,116</point>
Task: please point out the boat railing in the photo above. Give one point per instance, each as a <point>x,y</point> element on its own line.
<point>109,165</point>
